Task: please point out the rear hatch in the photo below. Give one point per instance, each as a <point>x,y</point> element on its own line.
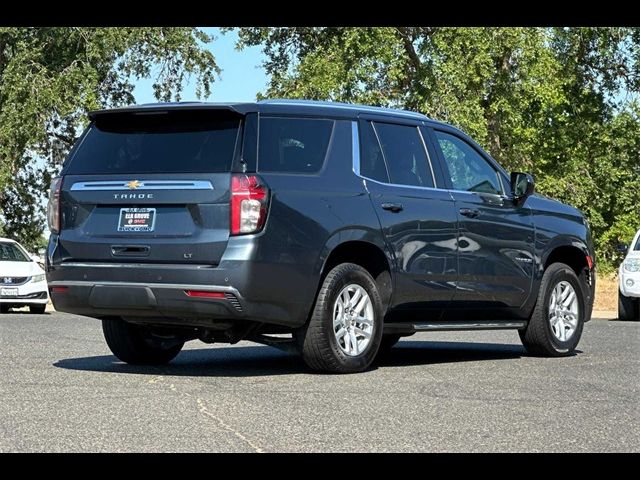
<point>150,187</point>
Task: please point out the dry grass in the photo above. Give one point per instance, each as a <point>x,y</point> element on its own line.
<point>606,292</point>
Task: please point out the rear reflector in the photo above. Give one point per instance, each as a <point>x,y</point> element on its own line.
<point>59,289</point>
<point>589,262</point>
<point>204,294</point>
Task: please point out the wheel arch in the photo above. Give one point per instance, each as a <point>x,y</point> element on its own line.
<point>567,250</point>
<point>364,248</point>
<point>572,252</point>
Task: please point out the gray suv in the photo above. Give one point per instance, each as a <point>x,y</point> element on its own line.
<point>345,226</point>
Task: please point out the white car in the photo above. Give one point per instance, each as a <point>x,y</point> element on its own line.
<point>22,279</point>
<point>629,275</point>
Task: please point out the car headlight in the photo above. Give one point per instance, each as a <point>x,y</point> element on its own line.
<point>632,265</point>
<point>38,278</point>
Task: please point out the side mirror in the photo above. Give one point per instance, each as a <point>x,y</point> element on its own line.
<point>522,185</point>
<point>622,248</point>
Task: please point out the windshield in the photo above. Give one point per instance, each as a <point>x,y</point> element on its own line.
<point>171,143</point>
<point>10,252</point>
<point>637,247</point>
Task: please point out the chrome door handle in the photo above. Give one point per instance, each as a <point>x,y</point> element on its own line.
<point>470,212</point>
<point>393,207</point>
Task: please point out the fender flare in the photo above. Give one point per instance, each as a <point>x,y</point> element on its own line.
<point>351,234</point>
<point>562,241</point>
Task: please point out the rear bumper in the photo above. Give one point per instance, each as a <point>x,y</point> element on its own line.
<point>156,293</point>
<point>170,302</point>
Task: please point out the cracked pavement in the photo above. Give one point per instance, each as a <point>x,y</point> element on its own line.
<point>61,390</point>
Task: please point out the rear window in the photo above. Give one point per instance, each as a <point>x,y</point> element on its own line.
<point>175,142</point>
<point>293,145</point>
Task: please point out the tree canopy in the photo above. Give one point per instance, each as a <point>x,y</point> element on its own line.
<point>50,78</point>
<point>561,103</point>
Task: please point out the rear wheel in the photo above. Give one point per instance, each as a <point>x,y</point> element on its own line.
<point>138,345</point>
<point>627,307</point>
<point>556,324</point>
<point>37,308</point>
<point>345,329</point>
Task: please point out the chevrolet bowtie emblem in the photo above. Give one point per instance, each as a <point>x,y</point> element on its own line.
<point>133,184</point>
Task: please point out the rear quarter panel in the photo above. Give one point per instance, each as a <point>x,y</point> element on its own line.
<point>309,215</point>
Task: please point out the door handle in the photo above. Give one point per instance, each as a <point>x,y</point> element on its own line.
<point>470,212</point>
<point>393,207</point>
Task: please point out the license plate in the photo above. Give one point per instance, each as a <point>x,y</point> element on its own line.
<point>137,219</point>
<point>9,292</point>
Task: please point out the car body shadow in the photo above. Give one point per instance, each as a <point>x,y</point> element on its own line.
<point>203,362</point>
<point>241,361</point>
<point>407,353</point>
<point>22,311</point>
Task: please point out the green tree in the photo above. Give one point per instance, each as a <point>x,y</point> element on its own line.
<point>559,102</point>
<point>50,78</point>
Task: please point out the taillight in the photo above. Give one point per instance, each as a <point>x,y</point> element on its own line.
<point>53,208</point>
<point>249,200</point>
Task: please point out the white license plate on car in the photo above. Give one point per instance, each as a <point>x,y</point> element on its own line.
<point>137,219</point>
<point>9,292</point>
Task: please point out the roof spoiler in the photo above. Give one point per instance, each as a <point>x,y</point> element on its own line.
<point>239,109</point>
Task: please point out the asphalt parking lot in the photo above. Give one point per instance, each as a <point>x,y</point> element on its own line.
<point>61,390</point>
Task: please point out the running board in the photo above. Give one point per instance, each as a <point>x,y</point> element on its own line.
<point>452,325</point>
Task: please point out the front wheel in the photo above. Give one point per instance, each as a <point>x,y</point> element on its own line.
<point>556,324</point>
<point>628,308</point>
<point>137,345</point>
<point>345,329</point>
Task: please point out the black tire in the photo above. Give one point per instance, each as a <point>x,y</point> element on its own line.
<point>37,309</point>
<point>136,345</point>
<point>627,308</point>
<point>317,341</point>
<point>538,337</point>
<point>4,308</point>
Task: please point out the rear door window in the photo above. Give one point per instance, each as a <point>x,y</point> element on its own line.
<point>293,145</point>
<point>371,159</point>
<point>405,155</point>
<point>171,143</point>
